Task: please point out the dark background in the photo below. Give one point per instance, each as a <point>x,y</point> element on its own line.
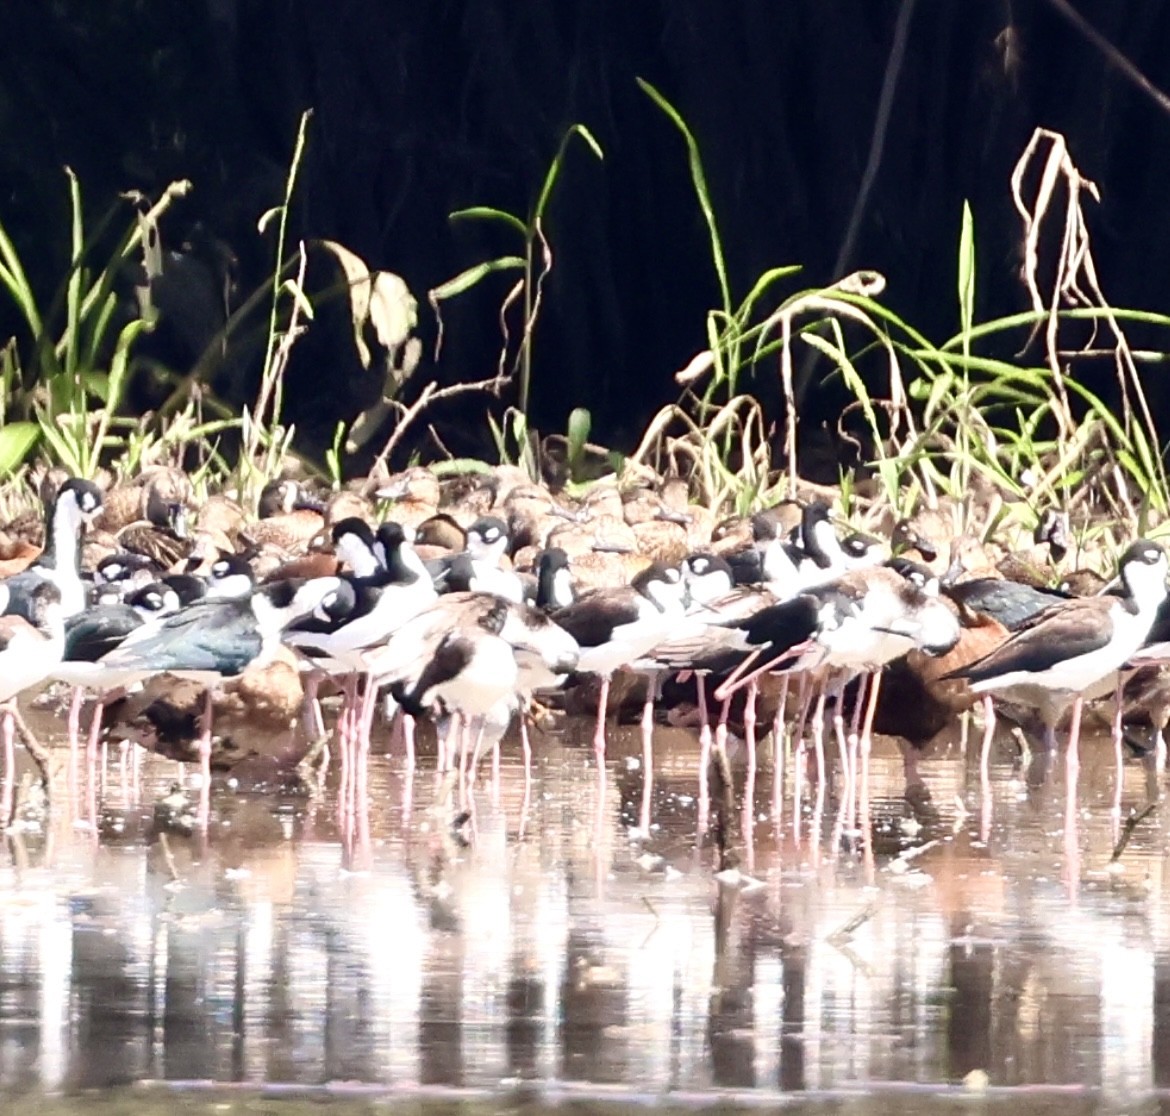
<point>422,108</point>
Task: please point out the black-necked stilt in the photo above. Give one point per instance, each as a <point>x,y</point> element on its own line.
<point>398,588</point>
<point>230,578</point>
<point>1011,603</point>
<point>480,562</point>
<point>29,650</point>
<point>218,639</point>
<point>826,556</point>
<point>77,503</point>
<point>123,571</point>
<point>708,578</point>
<point>186,587</point>
<point>554,580</point>
<point>354,544</point>
<point>616,627</point>
<point>747,561</point>
<point>852,625</point>
<point>1074,648</point>
<point>467,574</point>
<point>385,595</point>
<point>488,539</point>
<point>470,652</point>
<point>96,632</point>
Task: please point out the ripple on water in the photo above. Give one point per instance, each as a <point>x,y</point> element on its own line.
<point>966,929</point>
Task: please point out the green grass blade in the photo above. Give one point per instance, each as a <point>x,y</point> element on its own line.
<point>554,169</point>
<point>771,276</point>
<point>487,213</point>
<point>16,442</point>
<point>13,279</point>
<point>967,277</point>
<point>699,180</point>
<point>465,280</point>
<point>76,275</point>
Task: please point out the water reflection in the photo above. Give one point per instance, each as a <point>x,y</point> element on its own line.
<point>292,943</point>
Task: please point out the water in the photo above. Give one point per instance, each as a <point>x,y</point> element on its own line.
<point>983,935</point>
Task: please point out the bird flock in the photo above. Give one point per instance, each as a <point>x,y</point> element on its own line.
<point>473,602</point>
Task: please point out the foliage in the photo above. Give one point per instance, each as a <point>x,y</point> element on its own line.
<point>1030,431</point>
<point>999,407</point>
<point>535,265</point>
<point>67,389</point>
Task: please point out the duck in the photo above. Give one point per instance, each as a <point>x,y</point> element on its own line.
<point>919,699</point>
<point>289,519</point>
<point>440,536</point>
<point>413,495</point>
<point>255,715</point>
<point>128,501</point>
<point>531,513</point>
<point>161,535</point>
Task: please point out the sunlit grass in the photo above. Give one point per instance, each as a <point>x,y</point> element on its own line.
<point>933,423</point>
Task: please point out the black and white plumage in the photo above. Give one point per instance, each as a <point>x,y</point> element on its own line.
<point>1070,647</point>
<point>1011,603</point>
<point>99,630</point>
<point>385,586</point>
<point>381,602</point>
<point>1072,652</point>
<point>31,648</point>
<point>554,580</point>
<point>488,539</point>
<point>472,654</point>
<point>96,632</point>
<point>479,566</point>
<point>748,563</point>
<point>66,517</point>
<point>825,555</point>
<point>859,621</point>
<point>187,588</point>
<point>812,556</point>
<point>230,578</point>
<point>708,578</point>
<point>124,570</point>
<point>407,662</point>
<point>469,669</point>
<point>614,627</point>
<point>617,627</point>
<point>465,574</point>
<point>217,639</point>
<point>355,545</point>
